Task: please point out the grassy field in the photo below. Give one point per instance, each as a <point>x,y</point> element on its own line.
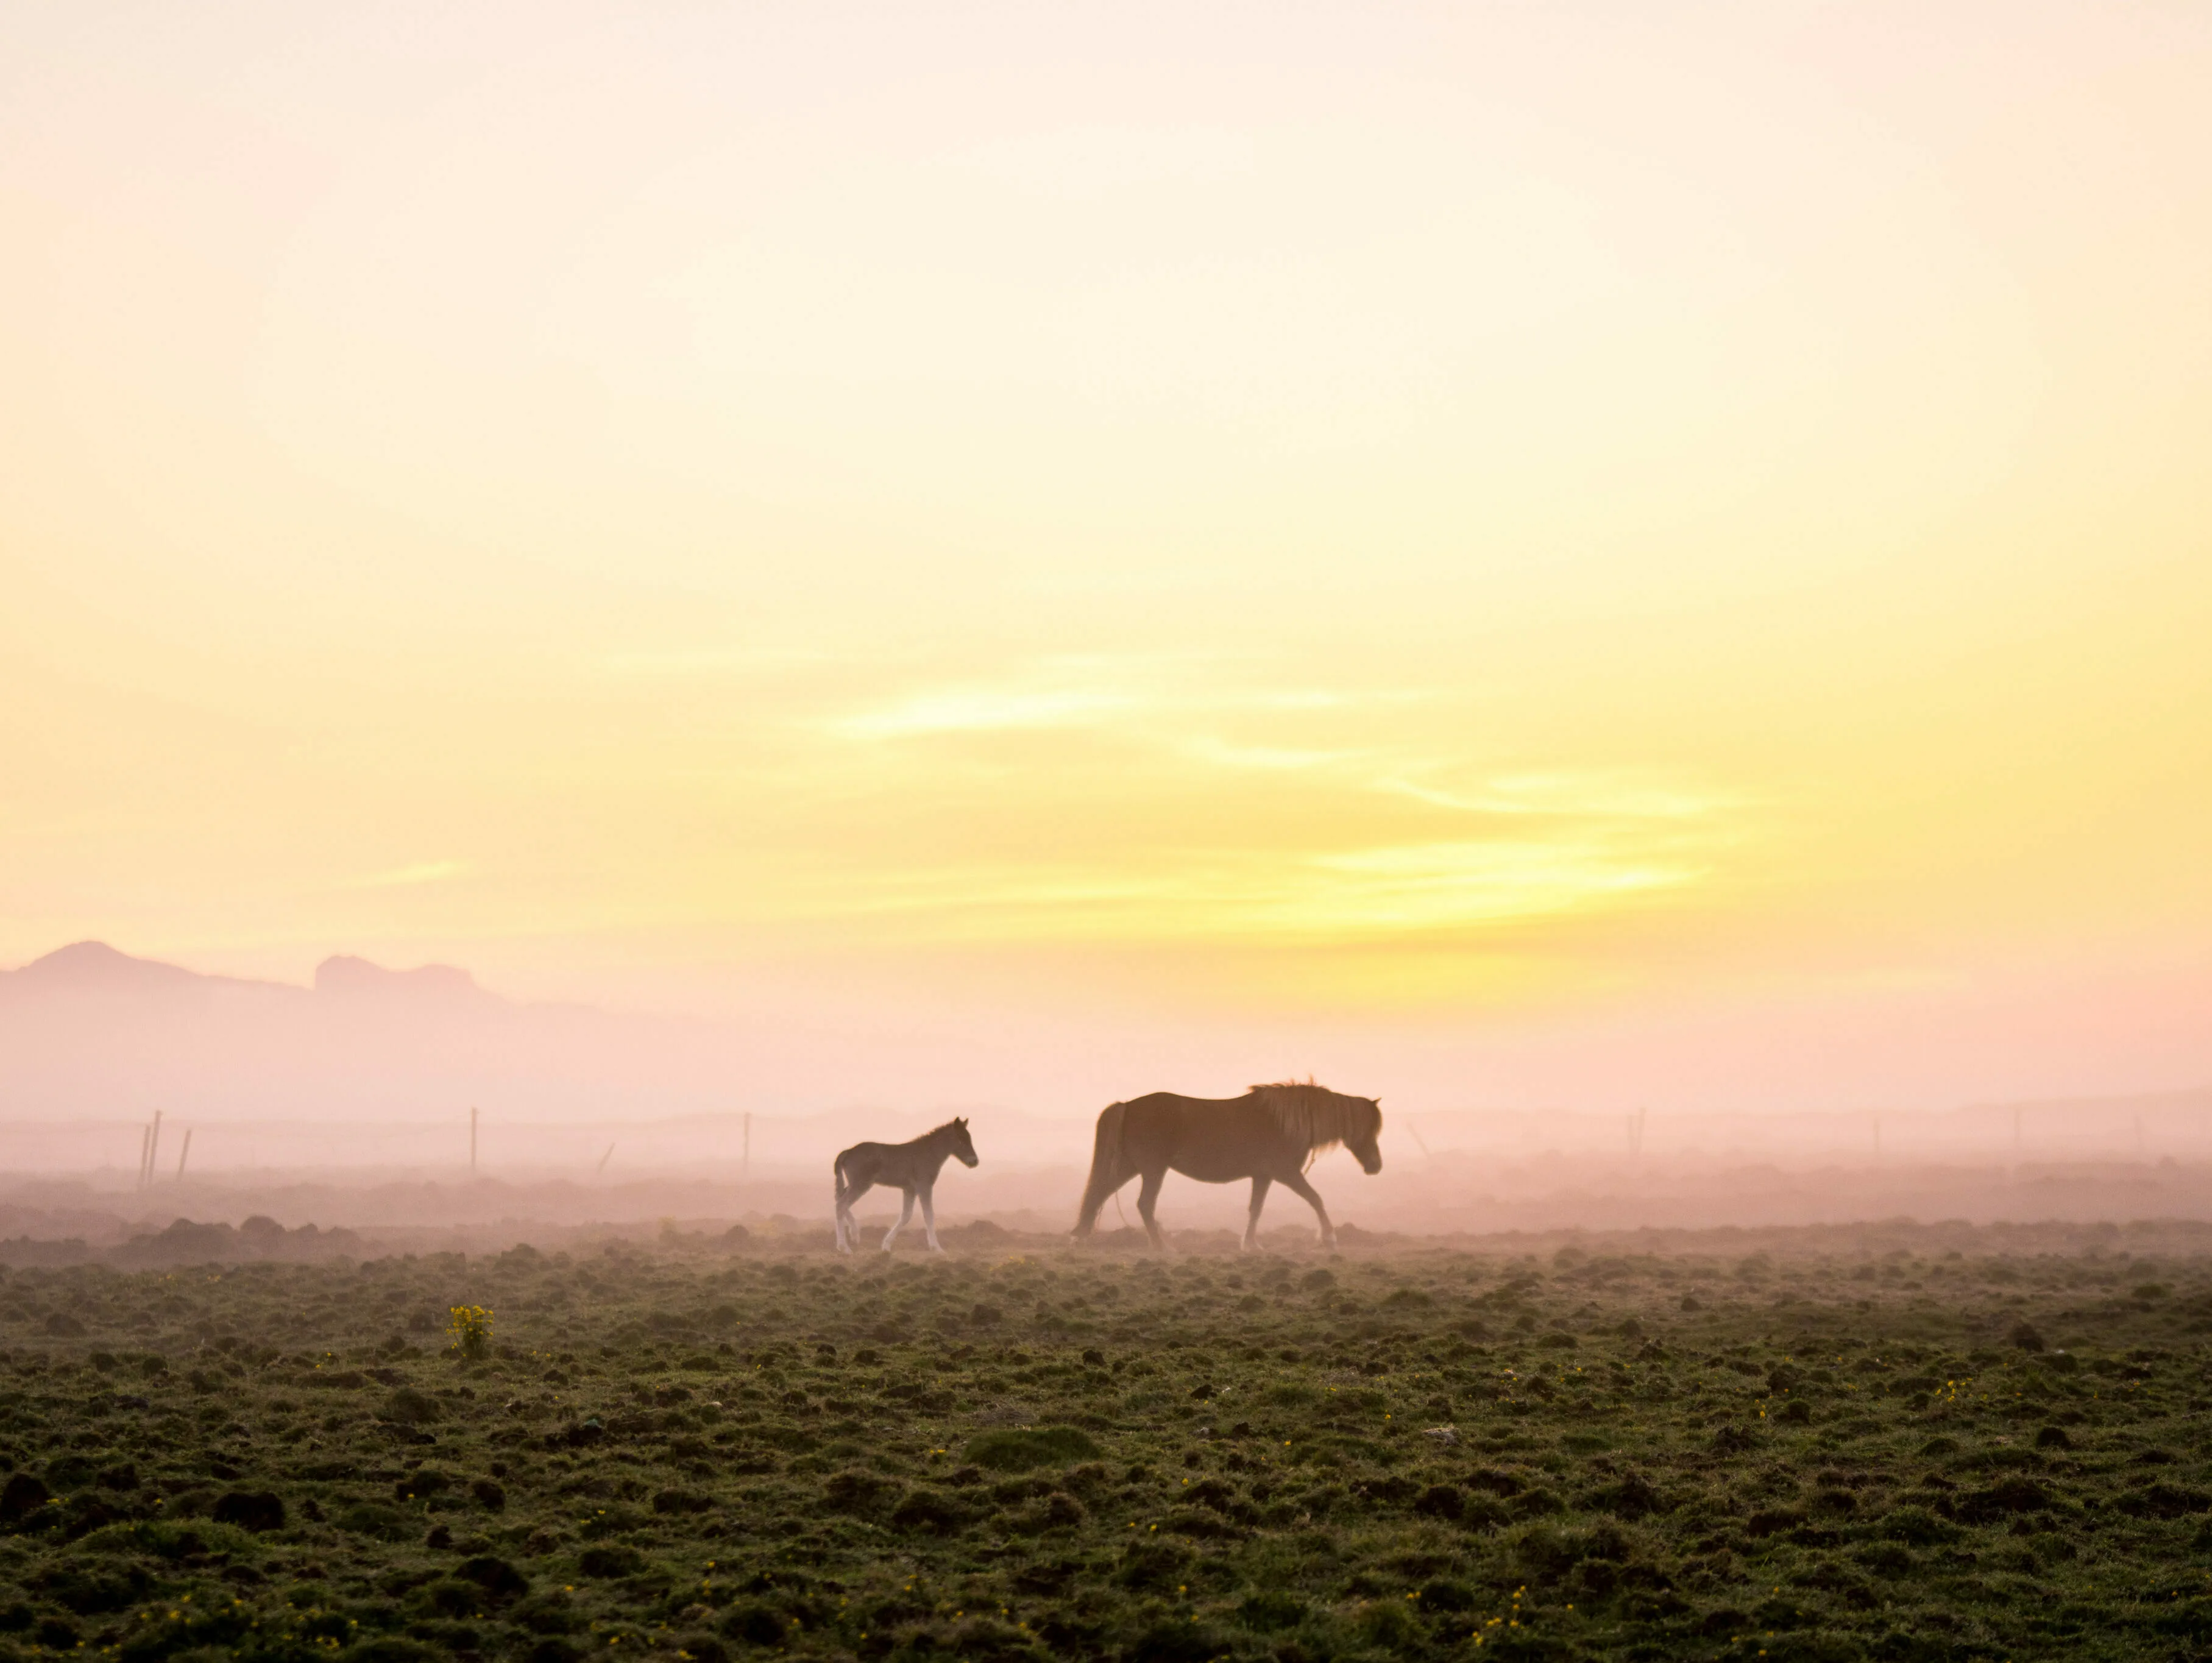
<point>1817,1450</point>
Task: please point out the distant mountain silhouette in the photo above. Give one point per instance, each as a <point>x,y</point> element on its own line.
<point>346,977</point>
<point>90,1034</point>
<point>94,966</point>
<point>90,1031</point>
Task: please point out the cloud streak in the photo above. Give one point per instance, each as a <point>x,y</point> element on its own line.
<point>409,877</point>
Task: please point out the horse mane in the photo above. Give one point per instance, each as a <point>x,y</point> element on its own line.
<point>1314,1117</point>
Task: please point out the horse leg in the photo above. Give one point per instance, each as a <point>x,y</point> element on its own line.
<point>1297,1185</point>
<point>929,1220</point>
<point>905,1213</point>
<point>849,1231</point>
<point>1260,1182</point>
<point>1145,1199</point>
<point>840,1211</point>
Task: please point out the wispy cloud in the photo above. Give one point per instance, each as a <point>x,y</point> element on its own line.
<point>981,710</point>
<point>1330,864</point>
<point>1438,886</point>
<point>421,871</point>
<point>1351,895</point>
<point>711,662</point>
<point>1278,758</point>
<point>1597,796</point>
<point>1142,695</point>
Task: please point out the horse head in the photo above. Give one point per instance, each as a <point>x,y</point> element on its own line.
<point>1364,1137</point>
<point>964,1146</point>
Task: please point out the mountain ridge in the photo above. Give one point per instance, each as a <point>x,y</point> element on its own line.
<point>88,1031</point>
<point>96,967</point>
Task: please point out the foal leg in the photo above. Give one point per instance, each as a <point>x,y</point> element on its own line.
<point>905,1213</point>
<point>929,1220</point>
<point>1147,1197</point>
<point>848,1232</point>
<point>1259,1199</point>
<point>1298,1187</point>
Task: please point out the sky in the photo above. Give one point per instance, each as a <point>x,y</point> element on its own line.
<point>1528,554</point>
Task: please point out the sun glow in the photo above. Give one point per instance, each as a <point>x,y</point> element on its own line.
<point>1428,515</point>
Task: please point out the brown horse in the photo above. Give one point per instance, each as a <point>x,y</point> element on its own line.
<point>1270,1135</point>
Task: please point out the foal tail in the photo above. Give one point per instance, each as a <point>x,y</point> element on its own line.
<point>841,1198</point>
<point>1107,1172</point>
<point>843,1179</point>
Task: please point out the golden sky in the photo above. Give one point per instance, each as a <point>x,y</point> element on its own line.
<point>1515,526</point>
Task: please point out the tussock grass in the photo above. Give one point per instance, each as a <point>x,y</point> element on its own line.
<point>1930,1445</point>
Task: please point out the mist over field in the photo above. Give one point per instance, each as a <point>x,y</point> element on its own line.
<point>310,1106</point>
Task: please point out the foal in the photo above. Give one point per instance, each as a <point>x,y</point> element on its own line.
<point>912,1167</point>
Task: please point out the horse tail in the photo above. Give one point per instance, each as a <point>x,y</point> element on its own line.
<point>1106,1173</point>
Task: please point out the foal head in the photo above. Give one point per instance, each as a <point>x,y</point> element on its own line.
<point>963,1147</point>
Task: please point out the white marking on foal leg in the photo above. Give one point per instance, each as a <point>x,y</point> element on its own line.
<point>929,1222</point>
<point>905,1213</point>
<point>848,1228</point>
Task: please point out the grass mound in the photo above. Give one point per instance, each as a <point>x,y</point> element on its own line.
<point>1025,1450</point>
<point>1839,1447</point>
<point>170,1538</point>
